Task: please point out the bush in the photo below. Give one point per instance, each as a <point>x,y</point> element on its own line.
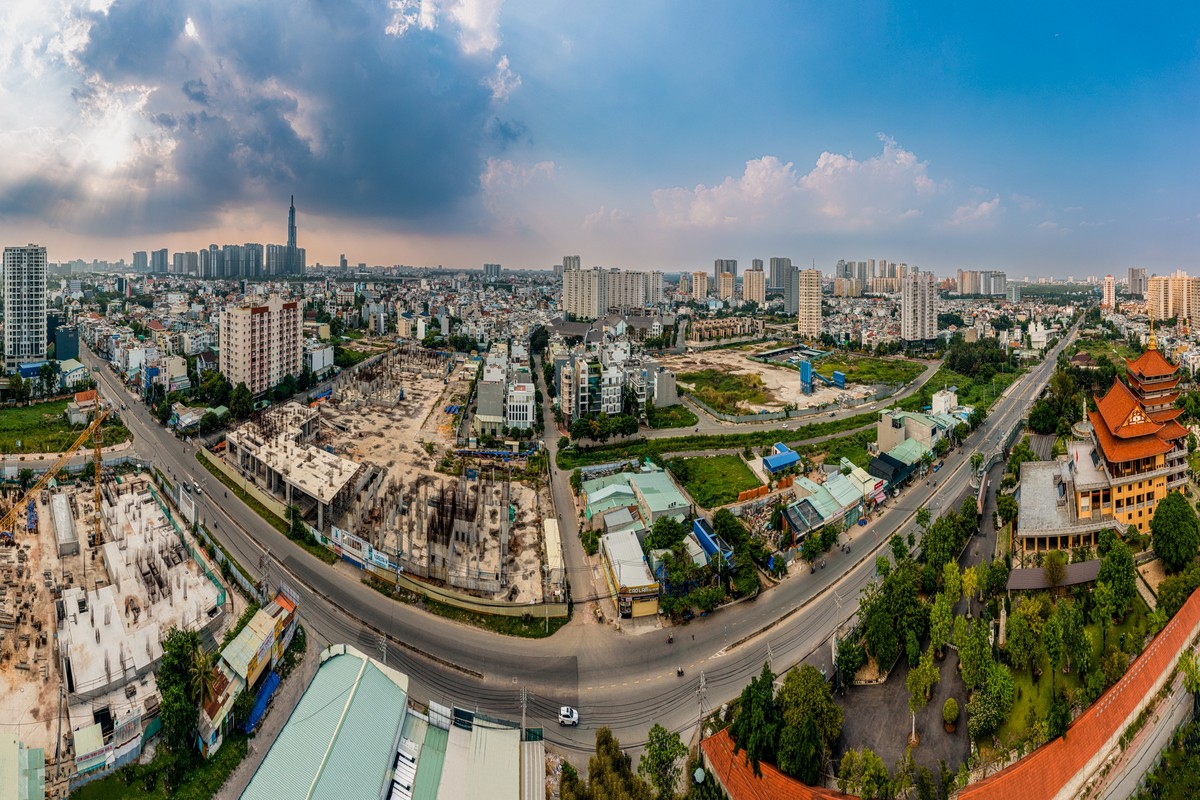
<point>591,542</point>
<point>950,711</point>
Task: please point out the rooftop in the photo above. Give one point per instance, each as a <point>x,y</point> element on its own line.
<point>624,553</point>
<point>740,783</point>
<point>1043,503</point>
<point>1034,578</point>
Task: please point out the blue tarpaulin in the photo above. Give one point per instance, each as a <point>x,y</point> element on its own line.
<point>260,701</point>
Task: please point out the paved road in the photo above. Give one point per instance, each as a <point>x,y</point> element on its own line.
<point>1145,749</point>
<point>623,681</point>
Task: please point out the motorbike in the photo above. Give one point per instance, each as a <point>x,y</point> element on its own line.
<point>679,671</point>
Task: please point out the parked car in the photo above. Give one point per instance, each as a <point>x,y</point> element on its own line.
<point>568,716</point>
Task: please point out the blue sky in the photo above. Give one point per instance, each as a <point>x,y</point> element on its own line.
<point>641,135</point>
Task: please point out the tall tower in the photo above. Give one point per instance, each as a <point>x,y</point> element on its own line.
<point>24,305</point>
<point>292,224</point>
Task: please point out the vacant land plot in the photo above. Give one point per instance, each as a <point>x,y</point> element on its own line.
<point>714,480</point>
<point>679,416</point>
<point>43,428</point>
<point>1115,351</point>
<point>971,392</point>
<point>869,370</point>
<point>726,391</point>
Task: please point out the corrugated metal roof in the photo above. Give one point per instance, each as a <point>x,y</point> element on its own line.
<point>429,769</point>
<point>494,763</point>
<point>340,740</point>
<point>533,770</point>
<point>909,451</point>
<point>247,643</point>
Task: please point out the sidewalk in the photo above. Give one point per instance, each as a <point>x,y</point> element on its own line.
<point>281,707</point>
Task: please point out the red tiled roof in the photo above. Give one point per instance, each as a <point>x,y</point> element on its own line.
<point>740,782</point>
<point>1150,364</point>
<point>1166,415</point>
<point>1048,769</point>
<point>1123,414</point>
<point>1172,431</point>
<point>1158,385</point>
<point>1118,450</point>
<point>85,397</point>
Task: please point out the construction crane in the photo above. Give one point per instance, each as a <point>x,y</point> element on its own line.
<point>9,523</point>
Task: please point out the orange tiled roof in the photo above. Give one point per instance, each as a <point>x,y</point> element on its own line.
<point>85,397</point>
<point>1150,364</point>
<point>1048,769</point>
<point>1158,385</point>
<point>1123,414</point>
<point>1171,431</point>
<point>1117,450</point>
<point>1166,415</point>
<point>739,780</point>
<point>1165,400</point>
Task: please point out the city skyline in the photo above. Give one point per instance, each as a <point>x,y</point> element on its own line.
<point>468,132</point>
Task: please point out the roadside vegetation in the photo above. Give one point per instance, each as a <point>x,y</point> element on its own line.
<point>677,416</point>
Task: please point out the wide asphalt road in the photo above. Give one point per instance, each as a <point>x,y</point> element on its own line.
<point>615,679</point>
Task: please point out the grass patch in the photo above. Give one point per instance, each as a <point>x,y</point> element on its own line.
<point>713,480</point>
<point>148,781</point>
<point>853,447</point>
<point>43,428</point>
<point>678,416</point>
<point>724,391</point>
<point>326,555</point>
<point>654,448</point>
<point>1038,696</point>
<point>529,626</point>
<point>970,391</point>
<point>1115,351</point>
<point>870,370</point>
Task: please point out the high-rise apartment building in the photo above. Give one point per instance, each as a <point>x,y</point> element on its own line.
<point>699,286</point>
<point>791,290</point>
<point>1109,299</point>
<point>756,263</point>
<point>141,261</point>
<point>1158,297</point>
<point>158,262</point>
<point>918,307</point>
<point>724,265</point>
<point>24,305</point>
<point>754,285</point>
<point>1137,282</point>
<point>808,302</point>
<point>725,286</point>
<point>985,282</point>
<point>850,287</point>
<point>779,269</point>
<point>625,290</point>
<point>491,272</point>
<point>570,262</point>
<point>585,292</point>
<point>261,344</point>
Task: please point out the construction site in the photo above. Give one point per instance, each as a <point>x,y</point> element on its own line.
<point>87,594</point>
<point>362,465</point>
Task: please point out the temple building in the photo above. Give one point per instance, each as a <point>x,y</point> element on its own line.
<point>1126,457</point>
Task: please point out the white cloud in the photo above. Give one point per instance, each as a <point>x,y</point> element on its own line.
<point>503,82</point>
<point>1047,225</point>
<point>607,220</point>
<point>842,192</point>
<point>511,190</point>
<point>975,214</point>
<point>478,24</point>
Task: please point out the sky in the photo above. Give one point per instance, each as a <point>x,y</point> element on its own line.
<point>1038,138</point>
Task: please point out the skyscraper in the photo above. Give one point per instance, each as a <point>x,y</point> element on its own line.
<point>585,292</point>
<point>1109,299</point>
<point>779,269</point>
<point>918,307</point>
<point>158,262</point>
<point>725,286</point>
<point>24,305</point>
<point>261,345</point>
<point>293,257</point>
<point>491,272</point>
<point>570,262</point>
<point>141,262</point>
<point>292,224</point>
<point>699,286</point>
<point>754,285</point>
<point>1137,282</point>
<point>808,301</point>
<point>724,265</point>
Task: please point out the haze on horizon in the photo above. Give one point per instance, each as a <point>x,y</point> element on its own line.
<point>1038,141</point>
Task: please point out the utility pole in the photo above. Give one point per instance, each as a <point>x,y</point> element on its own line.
<point>264,571</point>
<point>701,691</point>
<point>382,642</point>
<point>524,708</point>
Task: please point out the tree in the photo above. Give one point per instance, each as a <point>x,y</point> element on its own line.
<point>1055,566</point>
<point>1059,715</point>
<point>923,518</point>
<point>1118,571</point>
<point>1020,644</point>
<point>899,551</point>
<point>1043,417</point>
<point>1077,645</point>
<point>1104,603</point>
<point>952,582</point>
<point>989,706</point>
<point>203,677</point>
<point>851,656</point>
<point>1189,668</point>
<point>610,775</point>
<point>950,711</point>
<point>660,762</point>
<point>1006,507</point>
<point>801,752</point>
<point>970,581</point>
<point>863,773</point>
<point>180,705</point>
<point>1175,532</point>
<point>920,682</point>
<point>18,388</point>
<point>976,461</point>
<point>241,403</point>
<point>975,654</point>
<point>1052,641</point>
<point>755,727</point>
<point>941,617</point>
<point>806,694</point>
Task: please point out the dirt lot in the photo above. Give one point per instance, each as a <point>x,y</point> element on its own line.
<point>781,383</point>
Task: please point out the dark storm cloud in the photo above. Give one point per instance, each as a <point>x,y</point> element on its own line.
<point>306,98</point>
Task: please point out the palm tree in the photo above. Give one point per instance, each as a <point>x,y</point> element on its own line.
<point>203,676</point>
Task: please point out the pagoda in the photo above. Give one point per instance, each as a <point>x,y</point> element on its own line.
<point>1142,445</point>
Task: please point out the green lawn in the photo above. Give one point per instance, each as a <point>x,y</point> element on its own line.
<point>1038,696</point>
<point>724,391</point>
<point>654,448</point>
<point>853,447</point>
<point>679,416</point>
<point>713,480</point>
<point>970,391</point>
<point>147,781</point>
<point>43,428</point>
<point>869,370</point>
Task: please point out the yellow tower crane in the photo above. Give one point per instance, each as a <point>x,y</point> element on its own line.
<point>9,522</point>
